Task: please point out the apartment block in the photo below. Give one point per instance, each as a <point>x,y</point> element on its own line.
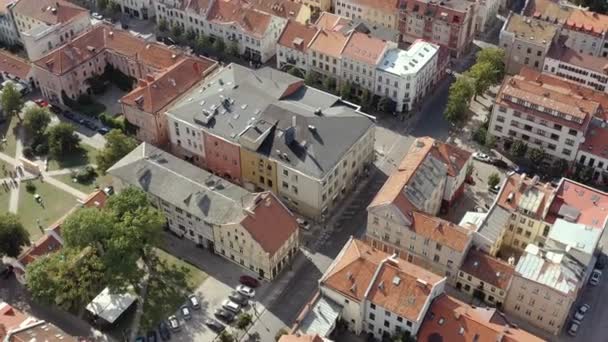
<point>586,70</point>
<point>332,21</point>
<point>46,25</point>
<point>140,9</point>
<point>380,13</point>
<point>253,230</point>
<point>144,106</point>
<point>593,152</point>
<point>16,325</point>
<point>266,130</point>
<point>449,24</point>
<point>293,44</point>
<point>16,68</point>
<point>401,218</point>
<point>8,30</point>
<point>449,319</point>
<point>379,293</point>
<point>526,42</point>
<point>486,14</point>
<point>485,277</point>
<point>542,115</point>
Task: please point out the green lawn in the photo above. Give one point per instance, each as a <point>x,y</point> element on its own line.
<point>85,156</point>
<point>5,166</point>
<point>100,181</point>
<point>168,288</point>
<point>4,199</point>
<point>7,131</point>
<point>56,204</point>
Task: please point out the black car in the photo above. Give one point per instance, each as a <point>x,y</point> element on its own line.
<point>215,325</point>
<point>103,130</point>
<point>90,125</point>
<point>224,315</point>
<point>499,163</point>
<point>69,115</point>
<point>54,109</point>
<point>238,298</point>
<point>152,336</point>
<point>163,331</point>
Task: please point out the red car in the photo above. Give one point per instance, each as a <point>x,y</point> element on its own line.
<point>249,281</point>
<point>41,102</point>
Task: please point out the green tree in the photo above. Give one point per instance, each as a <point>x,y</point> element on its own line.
<point>11,100</point>
<point>114,9</point>
<point>493,179</point>
<point>312,77</point>
<point>117,146</point>
<point>62,140</point>
<point>233,49</point>
<point>190,36</point>
<point>69,278</point>
<point>163,26</point>
<point>559,167</point>
<point>36,120</point>
<point>13,236</point>
<point>483,77</point>
<point>293,71</point>
<point>329,84</point>
<point>584,174</point>
<point>519,148</point>
<point>243,321</point>
<point>280,333</point>
<point>536,156</point>
<point>459,95</point>
<point>490,141</point>
<point>495,57</point>
<point>219,46</point>
<point>386,105</point>
<point>226,337</point>
<point>176,32</point>
<point>202,43</point>
<point>365,98</point>
<point>102,5</point>
<point>345,90</point>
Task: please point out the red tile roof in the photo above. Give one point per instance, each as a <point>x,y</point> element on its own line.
<point>330,21</point>
<point>364,48</point>
<point>230,13</point>
<point>281,8</point>
<point>47,244</point>
<point>10,317</point>
<point>96,199</point>
<point>590,204</point>
<point>329,43</point>
<point>14,65</point>
<point>587,21</point>
<point>302,338</point>
<point>565,54</point>
<point>152,95</point>
<point>451,320</point>
<point>518,187</point>
<point>270,223</point>
<point>390,6</point>
<point>50,12</point>
<point>595,141</point>
<point>488,269</point>
<point>440,231</point>
<point>297,36</point>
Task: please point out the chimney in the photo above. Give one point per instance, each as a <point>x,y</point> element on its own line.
<point>142,83</point>
<point>149,78</point>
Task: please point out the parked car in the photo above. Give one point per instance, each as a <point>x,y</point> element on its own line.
<point>152,336</point>
<point>174,323</point>
<point>231,306</point>
<point>520,169</point>
<point>245,291</point>
<point>41,102</point>
<point>163,331</point>
<point>579,315</point>
<point>573,328</point>
<point>595,278</point>
<point>90,125</point>
<point>215,325</point>
<point>494,189</point>
<point>186,313</point>
<point>224,315</point>
<point>194,303</point>
<point>482,157</point>
<point>97,16</point>
<point>249,281</point>
<point>499,163</point>
<point>303,223</point>
<point>140,339</point>
<point>238,298</point>
<point>69,115</point>
<point>103,130</point>
<point>601,262</point>
<point>54,109</point>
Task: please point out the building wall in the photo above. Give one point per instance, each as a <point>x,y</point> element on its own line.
<point>599,164</point>
<point>583,76</point>
<point>537,304</point>
<point>522,52</point>
<point>325,65</point>
<point>152,127</point>
<point>486,13</point>
<point>222,157</point>
<point>585,43</point>
<point>8,29</point>
<point>468,283</point>
<point>258,171</point>
<point>187,141</point>
<point>556,140</point>
<point>291,57</point>
<point>141,9</point>
<point>523,230</point>
<point>356,72</point>
<point>352,310</point>
<point>352,9</point>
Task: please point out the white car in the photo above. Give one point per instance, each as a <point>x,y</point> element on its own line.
<point>482,157</point>
<point>97,16</point>
<point>231,306</point>
<point>245,291</point>
<point>574,326</point>
<point>174,323</point>
<point>595,278</point>
<point>580,313</point>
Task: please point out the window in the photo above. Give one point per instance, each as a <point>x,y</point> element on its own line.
<point>438,246</point>
<point>566,151</point>
<point>372,316</point>
<point>372,306</point>
<point>436,258</point>
<point>387,313</point>
<point>387,324</point>
<point>399,319</point>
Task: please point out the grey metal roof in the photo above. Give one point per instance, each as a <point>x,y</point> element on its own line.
<point>494,223</point>
<point>321,318</point>
<point>239,105</point>
<point>182,184</point>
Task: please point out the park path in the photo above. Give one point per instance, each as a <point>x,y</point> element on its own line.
<point>61,185</point>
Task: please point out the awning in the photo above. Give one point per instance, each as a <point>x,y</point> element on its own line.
<point>321,318</point>
<point>109,306</point>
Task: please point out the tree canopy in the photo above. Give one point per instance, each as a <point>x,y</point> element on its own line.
<point>117,146</point>
<point>11,100</point>
<point>62,140</point>
<point>36,120</point>
<point>13,236</point>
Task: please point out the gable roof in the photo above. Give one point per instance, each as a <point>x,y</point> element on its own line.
<point>440,231</point>
<point>50,12</point>
<point>364,48</point>
<point>14,65</point>
<point>488,268</point>
<point>297,36</point>
<point>329,43</point>
<point>302,338</point>
<point>232,13</point>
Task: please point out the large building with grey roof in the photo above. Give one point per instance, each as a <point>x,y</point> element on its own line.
<point>266,130</point>
<point>254,230</point>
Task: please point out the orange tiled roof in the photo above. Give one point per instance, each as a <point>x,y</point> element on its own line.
<point>591,203</point>
<point>231,13</point>
<point>155,94</point>
<point>449,319</point>
<point>96,199</point>
<point>271,224</point>
<point>14,65</point>
<point>440,231</point>
<point>487,268</point>
<point>595,141</point>
<point>549,10</point>
<point>330,21</point>
<point>50,12</point>
<point>587,21</point>
<point>390,6</point>
<point>329,43</point>
<point>197,6</point>
<point>302,338</point>
<point>297,36</point>
<point>364,48</point>
<point>567,55</point>
<point>519,185</point>
<point>281,8</point>
<point>10,317</point>
<point>403,288</point>
<point>48,243</point>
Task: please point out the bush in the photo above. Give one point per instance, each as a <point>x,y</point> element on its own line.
<point>30,187</point>
<point>85,174</point>
<point>27,152</point>
<point>41,149</point>
<point>479,136</point>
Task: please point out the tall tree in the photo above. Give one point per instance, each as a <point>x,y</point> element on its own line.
<point>329,84</point>
<point>62,140</point>
<point>312,77</point>
<point>69,278</point>
<point>536,156</point>
<point>226,337</point>
<point>483,76</point>
<point>102,5</point>
<point>233,49</point>
<point>495,57</point>
<point>163,26</point>
<point>13,236</point>
<point>493,179</point>
<point>559,167</point>
<point>202,43</point>
<point>36,120</point>
<point>518,148</point>
<point>219,46</point>
<point>345,90</point>
<point>177,31</point>
<point>364,98</point>
<point>243,321</point>
<point>11,100</point>
<point>117,146</point>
